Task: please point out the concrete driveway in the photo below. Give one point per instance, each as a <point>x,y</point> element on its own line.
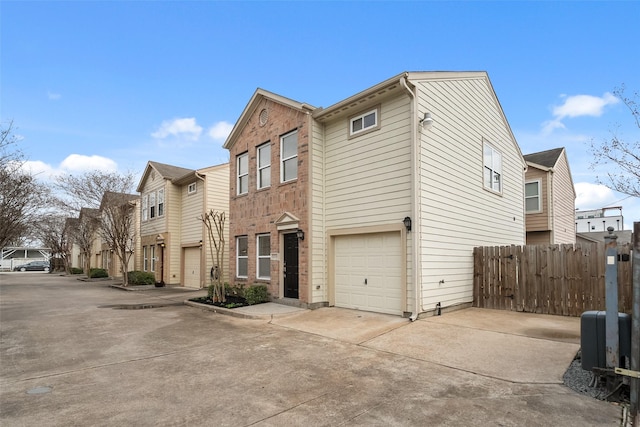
<point>77,353</point>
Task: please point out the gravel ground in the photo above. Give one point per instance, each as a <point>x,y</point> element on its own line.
<point>580,381</point>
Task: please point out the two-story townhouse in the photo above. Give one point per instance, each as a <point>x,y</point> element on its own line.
<point>173,241</point>
<point>376,202</point>
<point>549,198</point>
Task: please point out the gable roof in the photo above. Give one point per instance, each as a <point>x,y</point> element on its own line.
<point>258,96</point>
<point>547,158</point>
<point>166,171</point>
<point>190,176</point>
<point>113,197</point>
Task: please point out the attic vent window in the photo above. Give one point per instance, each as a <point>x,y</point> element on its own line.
<point>264,116</point>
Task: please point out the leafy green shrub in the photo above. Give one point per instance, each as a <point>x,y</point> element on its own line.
<point>234,290</point>
<point>74,270</point>
<point>256,294</point>
<point>98,273</point>
<point>137,277</point>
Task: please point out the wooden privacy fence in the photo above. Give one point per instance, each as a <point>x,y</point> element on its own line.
<point>557,279</point>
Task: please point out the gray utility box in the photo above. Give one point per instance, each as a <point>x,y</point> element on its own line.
<point>593,339</point>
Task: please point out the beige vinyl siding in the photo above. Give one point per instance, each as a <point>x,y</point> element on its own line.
<point>192,209</point>
<point>368,178</point>
<point>539,221</point>
<point>217,198</point>
<point>457,212</point>
<point>318,243</point>
<point>173,218</point>
<point>563,203</point>
<point>539,238</point>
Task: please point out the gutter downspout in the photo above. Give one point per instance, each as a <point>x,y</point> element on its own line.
<point>415,202</point>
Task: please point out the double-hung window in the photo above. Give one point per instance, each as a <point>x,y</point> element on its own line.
<point>242,257</point>
<point>145,265</point>
<point>492,168</point>
<point>264,256</point>
<point>153,257</point>
<point>145,207</point>
<point>289,156</point>
<point>532,197</point>
<point>152,205</point>
<point>264,166</point>
<point>243,173</point>
<point>161,202</point>
<point>363,122</point>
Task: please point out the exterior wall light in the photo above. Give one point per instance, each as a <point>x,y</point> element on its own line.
<point>426,121</point>
<point>300,234</point>
<point>407,223</point>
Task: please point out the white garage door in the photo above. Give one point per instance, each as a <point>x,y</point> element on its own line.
<point>368,269</point>
<point>191,277</point>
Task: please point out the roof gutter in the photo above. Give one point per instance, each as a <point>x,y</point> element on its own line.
<point>415,205</point>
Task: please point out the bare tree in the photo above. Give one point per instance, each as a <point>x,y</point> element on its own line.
<point>117,227</point>
<point>87,190</point>
<point>620,157</point>
<point>85,234</point>
<point>214,223</point>
<point>52,231</point>
<point>20,194</point>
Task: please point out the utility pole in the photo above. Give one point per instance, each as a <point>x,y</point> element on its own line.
<point>612,339</point>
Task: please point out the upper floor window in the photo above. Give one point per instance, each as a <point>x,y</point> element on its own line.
<point>161,202</point>
<point>192,188</point>
<point>264,256</point>
<point>243,173</point>
<point>145,207</point>
<point>289,156</point>
<point>532,196</point>
<point>264,166</point>
<point>242,257</point>
<point>152,205</point>
<point>492,168</point>
<point>363,122</point>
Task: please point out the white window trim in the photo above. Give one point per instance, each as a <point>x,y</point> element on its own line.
<point>283,159</point>
<point>261,168</point>
<point>376,125</point>
<point>238,257</point>
<point>160,201</point>
<point>239,175</point>
<point>538,196</point>
<point>192,188</point>
<point>259,257</point>
<point>493,168</point>
<point>153,257</point>
<point>145,259</point>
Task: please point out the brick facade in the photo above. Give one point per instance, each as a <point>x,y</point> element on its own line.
<point>257,211</point>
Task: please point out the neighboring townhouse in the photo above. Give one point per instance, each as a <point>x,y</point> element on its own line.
<point>119,212</point>
<point>549,198</point>
<point>173,239</point>
<point>87,238</point>
<point>355,204</point>
<point>70,225</point>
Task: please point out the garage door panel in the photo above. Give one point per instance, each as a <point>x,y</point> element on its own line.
<point>376,258</point>
<point>191,275</point>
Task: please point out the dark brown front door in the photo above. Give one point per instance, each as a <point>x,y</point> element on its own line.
<point>290,265</point>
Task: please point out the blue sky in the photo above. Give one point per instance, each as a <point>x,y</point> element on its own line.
<point>114,84</point>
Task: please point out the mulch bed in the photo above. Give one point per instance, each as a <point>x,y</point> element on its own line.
<point>232,301</point>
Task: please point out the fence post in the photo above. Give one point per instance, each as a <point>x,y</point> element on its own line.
<point>611,299</point>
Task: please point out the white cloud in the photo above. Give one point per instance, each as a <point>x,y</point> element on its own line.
<point>220,131</point>
<point>81,163</point>
<point>593,196</point>
<point>38,168</point>
<point>584,105</point>
<point>578,106</point>
<point>53,96</point>
<point>186,127</point>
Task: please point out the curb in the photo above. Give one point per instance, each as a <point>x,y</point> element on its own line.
<point>226,311</point>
